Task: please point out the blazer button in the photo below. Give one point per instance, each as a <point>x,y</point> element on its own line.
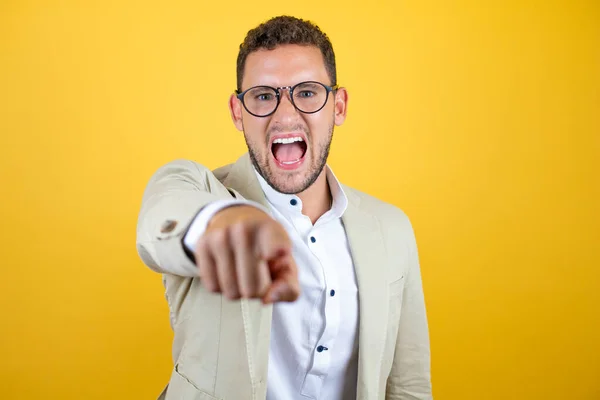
<point>168,226</point>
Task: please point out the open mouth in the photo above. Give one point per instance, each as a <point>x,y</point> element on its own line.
<point>289,151</point>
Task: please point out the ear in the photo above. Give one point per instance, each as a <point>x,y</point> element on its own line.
<point>340,106</point>
<point>235,109</point>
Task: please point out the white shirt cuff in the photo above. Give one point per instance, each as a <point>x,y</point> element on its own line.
<point>200,222</point>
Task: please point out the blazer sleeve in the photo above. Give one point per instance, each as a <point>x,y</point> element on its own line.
<point>172,198</point>
<point>410,377</point>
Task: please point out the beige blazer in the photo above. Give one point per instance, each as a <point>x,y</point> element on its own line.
<point>221,347</point>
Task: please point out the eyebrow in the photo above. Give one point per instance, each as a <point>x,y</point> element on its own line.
<point>314,81</point>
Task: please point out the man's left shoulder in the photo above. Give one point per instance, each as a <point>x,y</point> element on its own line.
<point>388,215</point>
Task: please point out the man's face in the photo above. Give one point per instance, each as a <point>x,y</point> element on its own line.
<point>288,148</point>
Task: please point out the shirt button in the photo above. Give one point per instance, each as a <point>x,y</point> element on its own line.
<point>293,202</point>
<point>332,293</point>
<point>312,239</point>
<point>321,348</point>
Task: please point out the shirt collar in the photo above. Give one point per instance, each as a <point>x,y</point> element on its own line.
<point>290,203</point>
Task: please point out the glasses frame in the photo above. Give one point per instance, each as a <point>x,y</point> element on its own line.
<point>278,91</point>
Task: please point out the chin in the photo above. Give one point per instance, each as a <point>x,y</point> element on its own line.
<point>287,182</point>
<point>287,179</point>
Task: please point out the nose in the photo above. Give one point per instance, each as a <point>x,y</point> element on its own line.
<point>285,110</point>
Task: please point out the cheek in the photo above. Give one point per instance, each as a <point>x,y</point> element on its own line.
<point>319,125</point>
<point>255,129</point>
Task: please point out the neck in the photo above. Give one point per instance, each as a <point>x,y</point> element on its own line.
<point>316,199</point>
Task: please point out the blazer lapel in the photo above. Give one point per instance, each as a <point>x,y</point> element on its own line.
<point>368,254</point>
<point>257,317</point>
<point>242,179</point>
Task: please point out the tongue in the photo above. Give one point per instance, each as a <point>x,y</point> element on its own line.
<point>288,152</point>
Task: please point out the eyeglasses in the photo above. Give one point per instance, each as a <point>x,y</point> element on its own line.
<point>307,97</point>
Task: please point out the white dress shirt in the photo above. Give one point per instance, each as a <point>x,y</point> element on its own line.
<point>313,351</point>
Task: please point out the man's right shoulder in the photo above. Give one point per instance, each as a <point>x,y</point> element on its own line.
<point>191,170</point>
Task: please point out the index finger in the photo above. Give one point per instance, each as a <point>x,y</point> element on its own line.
<point>285,286</point>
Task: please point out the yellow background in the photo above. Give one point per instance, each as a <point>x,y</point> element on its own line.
<point>481,119</point>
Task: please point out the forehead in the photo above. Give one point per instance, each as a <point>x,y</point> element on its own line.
<point>285,65</point>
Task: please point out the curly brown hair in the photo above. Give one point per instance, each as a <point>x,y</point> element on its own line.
<point>286,30</point>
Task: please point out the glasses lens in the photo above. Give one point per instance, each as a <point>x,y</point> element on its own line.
<point>310,96</point>
<point>260,100</point>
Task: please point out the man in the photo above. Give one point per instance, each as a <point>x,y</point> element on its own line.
<point>281,282</point>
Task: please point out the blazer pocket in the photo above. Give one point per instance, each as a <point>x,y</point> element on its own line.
<point>397,287</point>
<point>181,388</point>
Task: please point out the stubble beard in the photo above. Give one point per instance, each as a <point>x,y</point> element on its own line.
<point>261,163</point>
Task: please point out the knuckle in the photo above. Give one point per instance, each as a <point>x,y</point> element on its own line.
<point>210,285</point>
<point>201,245</point>
<point>204,272</point>
<point>232,293</point>
<point>240,233</point>
<point>240,228</point>
<point>226,281</point>
<point>219,237</point>
<point>247,291</point>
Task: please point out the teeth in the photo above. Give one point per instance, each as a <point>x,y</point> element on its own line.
<point>290,162</point>
<point>288,140</point>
